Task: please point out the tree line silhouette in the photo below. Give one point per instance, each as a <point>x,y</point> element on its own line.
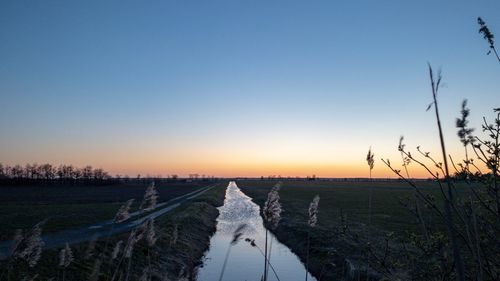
<point>48,174</point>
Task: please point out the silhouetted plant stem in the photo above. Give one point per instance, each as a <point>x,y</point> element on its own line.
<point>406,162</point>
<point>477,241</point>
<point>307,256</point>
<point>494,167</point>
<point>488,36</point>
<point>371,161</point>
<point>128,268</point>
<point>265,258</point>
<point>225,262</point>
<point>252,242</point>
<point>496,54</point>
<point>459,267</point>
<point>269,254</point>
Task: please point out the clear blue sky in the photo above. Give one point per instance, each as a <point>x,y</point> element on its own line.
<point>235,87</point>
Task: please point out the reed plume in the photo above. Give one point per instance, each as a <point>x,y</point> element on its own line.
<point>65,256</point>
<point>150,198</point>
<point>16,241</point>
<point>272,207</point>
<point>313,211</point>
<point>488,36</point>
<point>127,251</point>
<point>129,248</point>
<point>29,247</point>
<point>370,160</point>
<point>272,215</point>
<point>116,250</point>
<point>65,259</point>
<point>123,213</point>
<point>150,232</point>
<point>371,163</point>
<point>238,232</point>
<point>313,220</point>
<point>175,235</point>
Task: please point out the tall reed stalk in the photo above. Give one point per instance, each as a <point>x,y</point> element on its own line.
<point>272,215</point>
<point>238,232</point>
<point>448,201</point>
<point>371,162</point>
<point>313,220</point>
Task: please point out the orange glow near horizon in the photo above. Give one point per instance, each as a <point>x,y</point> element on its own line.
<point>279,156</point>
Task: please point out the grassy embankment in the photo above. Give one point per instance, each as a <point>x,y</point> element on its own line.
<point>173,252</point>
<point>338,243</point>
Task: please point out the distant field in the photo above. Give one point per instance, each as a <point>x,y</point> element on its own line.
<point>330,244</point>
<point>194,222</point>
<point>70,206</point>
<point>350,197</point>
<point>89,194</point>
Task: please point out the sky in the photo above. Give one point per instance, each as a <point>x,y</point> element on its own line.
<point>238,88</point>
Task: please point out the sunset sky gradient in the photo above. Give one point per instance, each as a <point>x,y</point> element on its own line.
<point>237,88</point>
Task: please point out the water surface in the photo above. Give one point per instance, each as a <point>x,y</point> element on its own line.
<point>246,262</point>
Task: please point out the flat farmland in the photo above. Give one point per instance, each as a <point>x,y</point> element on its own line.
<point>66,206</point>
<point>338,244</point>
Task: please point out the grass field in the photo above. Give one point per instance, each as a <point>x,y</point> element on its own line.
<point>70,206</point>
<point>194,221</point>
<point>350,198</point>
<point>330,244</point>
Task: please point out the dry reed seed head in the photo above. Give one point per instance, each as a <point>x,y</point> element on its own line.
<point>123,213</point>
<point>129,247</point>
<point>313,211</point>
<point>65,256</point>
<point>370,158</point>
<point>401,145</point>
<point>272,208</point>
<point>175,235</point>
<point>30,249</point>
<point>484,30</point>
<point>238,232</point>
<point>150,233</point>
<point>141,231</point>
<point>16,242</point>
<point>150,198</point>
<point>464,133</point>
<point>116,250</point>
<point>96,271</point>
<point>251,241</point>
